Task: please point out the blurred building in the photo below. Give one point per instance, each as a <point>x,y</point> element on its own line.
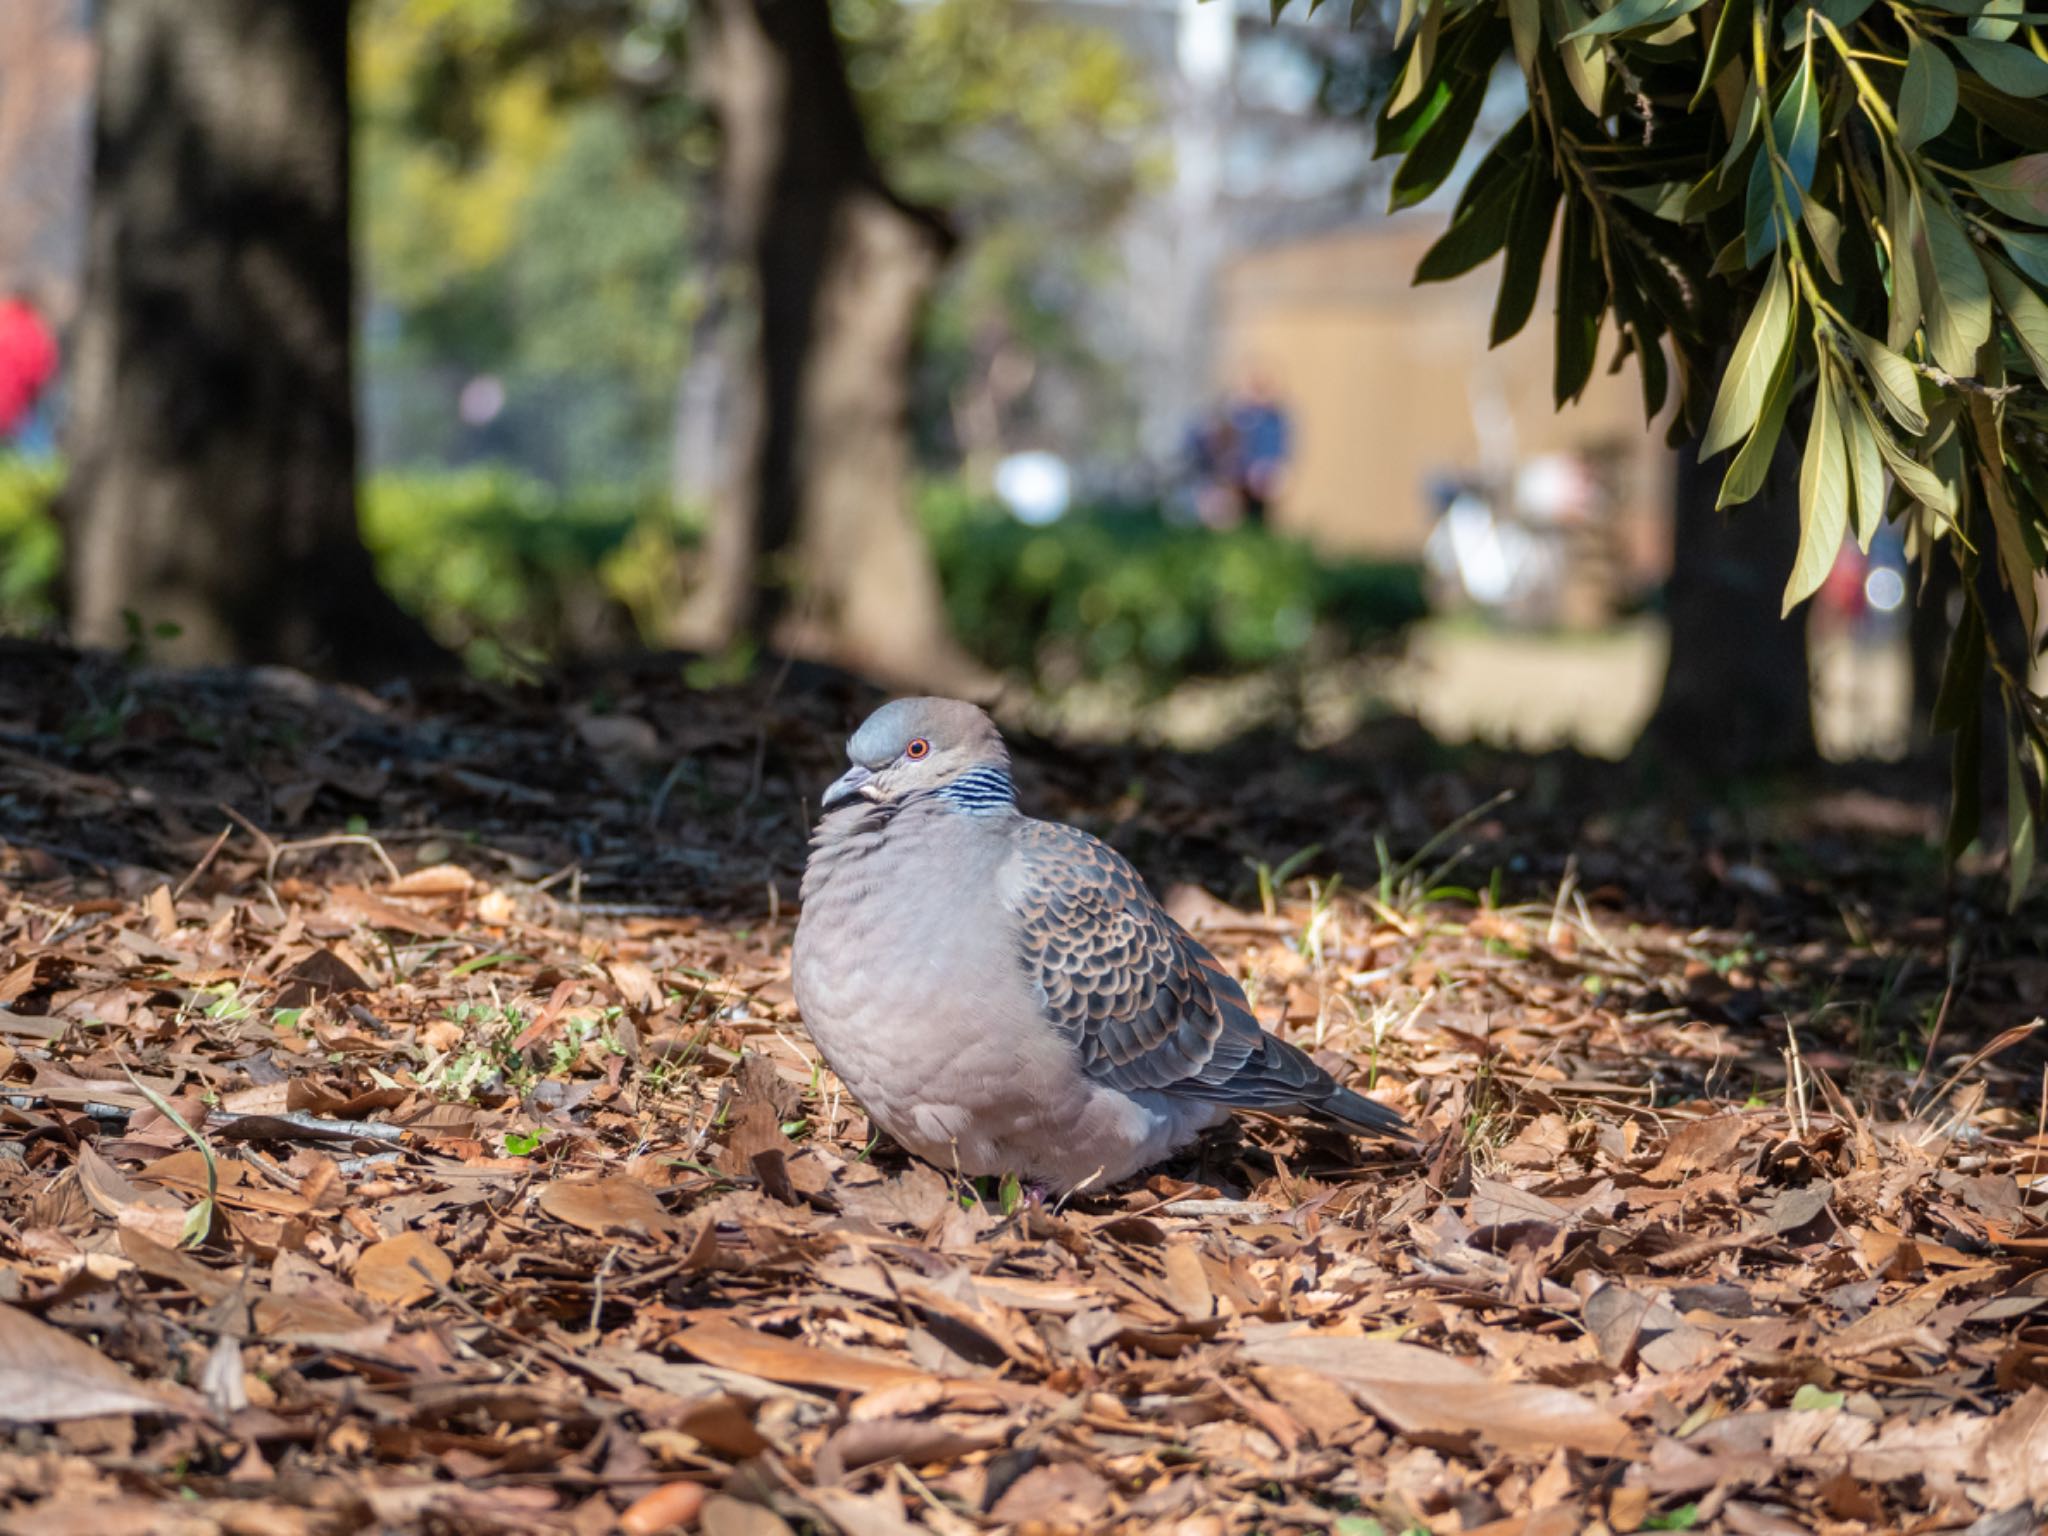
<point>1392,388</point>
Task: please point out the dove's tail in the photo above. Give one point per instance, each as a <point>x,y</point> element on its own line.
<point>1360,1115</point>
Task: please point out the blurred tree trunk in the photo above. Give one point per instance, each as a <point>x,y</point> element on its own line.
<point>212,436</point>
<point>812,537</point>
<point>1737,697</point>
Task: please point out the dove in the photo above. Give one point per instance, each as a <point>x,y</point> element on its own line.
<point>1004,995</point>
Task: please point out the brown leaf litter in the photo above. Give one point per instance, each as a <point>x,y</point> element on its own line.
<point>531,1211</point>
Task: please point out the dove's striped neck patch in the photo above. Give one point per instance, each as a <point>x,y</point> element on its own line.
<point>980,792</point>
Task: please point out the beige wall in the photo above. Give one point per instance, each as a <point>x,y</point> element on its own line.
<point>1381,379</point>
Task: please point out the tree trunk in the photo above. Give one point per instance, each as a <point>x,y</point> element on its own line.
<point>1737,696</point>
<point>812,538</point>
<point>212,436</point>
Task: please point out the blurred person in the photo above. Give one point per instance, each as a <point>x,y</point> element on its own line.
<point>28,363</point>
<point>1263,433</point>
<point>1210,460</point>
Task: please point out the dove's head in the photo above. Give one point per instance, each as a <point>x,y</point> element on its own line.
<point>915,747</point>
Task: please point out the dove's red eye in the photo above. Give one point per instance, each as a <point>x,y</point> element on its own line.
<point>918,747</point>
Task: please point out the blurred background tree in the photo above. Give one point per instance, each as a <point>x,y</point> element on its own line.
<point>211,500</point>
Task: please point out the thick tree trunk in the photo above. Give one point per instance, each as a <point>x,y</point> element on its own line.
<point>812,538</point>
<point>1737,696</point>
<point>212,435</point>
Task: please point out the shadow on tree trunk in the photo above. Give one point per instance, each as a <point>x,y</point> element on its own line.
<point>211,509</point>
<point>1737,695</point>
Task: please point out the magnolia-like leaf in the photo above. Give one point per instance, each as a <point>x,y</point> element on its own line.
<point>1897,385</point>
<point>1436,152</point>
<point>1525,22</point>
<point>1902,220</point>
<point>2015,560</point>
<point>1630,15</point>
<point>1823,497</point>
<point>1958,297</point>
<point>1585,58</point>
<point>1866,466</point>
<point>1762,227</point>
<point>1528,239</point>
<point>1581,300</point>
<point>1826,230</point>
<point>1765,336</point>
<point>1994,19</point>
<point>1746,475</point>
<point>1966,782</point>
<point>2028,252</point>
<point>2019,818</point>
<point>1421,60</point>
<point>2017,188</point>
<point>1915,479</point>
<point>1927,94</point>
<point>1962,673</point>
<point>2025,311</point>
<point>1731,32</point>
<point>1795,128</point>
<point>1476,233</point>
<point>2005,67</point>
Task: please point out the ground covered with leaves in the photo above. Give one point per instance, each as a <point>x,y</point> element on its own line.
<point>405,1124</point>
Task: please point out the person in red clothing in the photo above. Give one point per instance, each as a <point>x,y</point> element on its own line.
<point>28,362</point>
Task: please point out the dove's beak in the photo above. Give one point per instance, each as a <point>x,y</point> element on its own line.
<point>850,785</point>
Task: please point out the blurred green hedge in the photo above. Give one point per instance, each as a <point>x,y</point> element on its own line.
<point>1108,593</point>
<point>31,552</point>
<point>506,570</point>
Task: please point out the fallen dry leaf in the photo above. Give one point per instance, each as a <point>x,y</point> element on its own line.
<point>1421,1391</point>
<point>47,1376</point>
<point>402,1270</point>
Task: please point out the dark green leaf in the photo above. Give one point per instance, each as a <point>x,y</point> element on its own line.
<point>1795,128</point>
<point>1478,231</point>
<point>1528,239</point>
<point>1866,465</point>
<point>2025,123</point>
<point>2017,188</point>
<point>1397,134</point>
<point>1525,21</point>
<point>1902,219</point>
<point>1630,15</point>
<point>1584,59</point>
<point>1924,485</point>
<point>2018,555</point>
<point>1415,74</point>
<point>2019,818</point>
<point>1962,674</point>
<point>1927,95</point>
<point>1581,301</point>
<point>1731,33</point>
<point>1997,20</point>
<point>1436,153</point>
<point>1765,337</point>
<point>1958,297</point>
<point>2028,252</point>
<point>1762,227</point>
<point>2024,311</point>
<point>1745,476</point>
<point>1897,385</point>
<point>1823,497</point>
<point>1966,775</point>
<point>1826,231</point>
<point>1663,199</point>
<point>2006,67</point>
